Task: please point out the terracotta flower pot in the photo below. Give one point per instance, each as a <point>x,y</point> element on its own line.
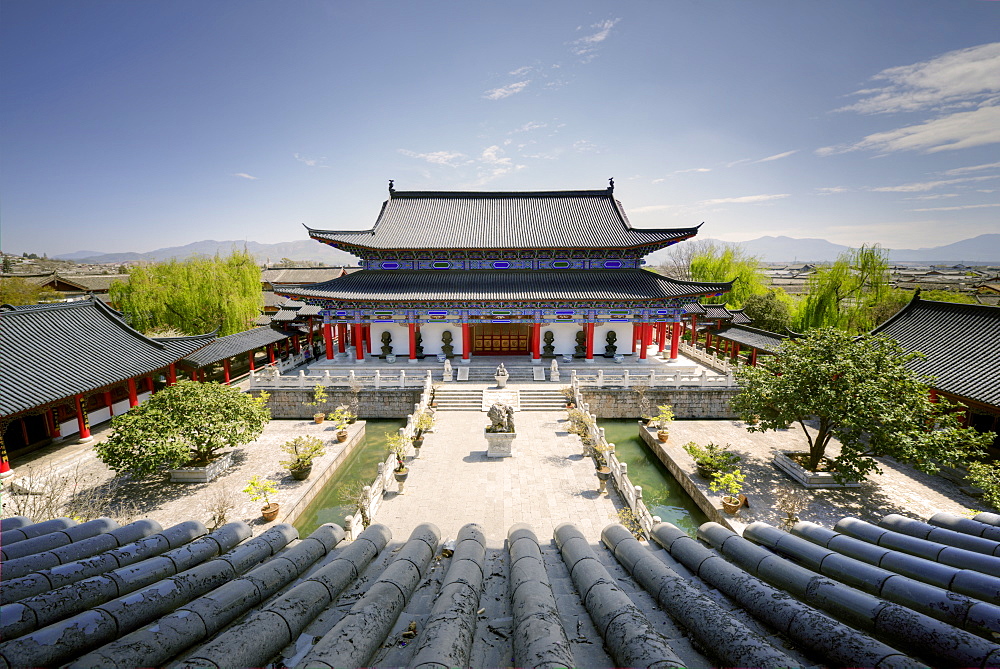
<point>662,435</point>
<point>342,435</point>
<point>270,512</point>
<point>301,473</point>
<point>319,417</point>
<point>731,504</point>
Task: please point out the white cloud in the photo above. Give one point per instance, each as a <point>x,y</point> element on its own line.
<point>832,190</point>
<point>960,207</point>
<point>971,168</point>
<point>586,47</point>
<point>449,158</point>
<point>777,156</point>
<point>493,164</point>
<point>311,162</point>
<point>585,146</point>
<point>936,196</point>
<point>955,79</point>
<point>529,126</point>
<point>244,175</point>
<point>506,91</point>
<point>738,162</point>
<point>960,130</point>
<point>746,199</point>
<point>928,185</point>
<point>520,71</point>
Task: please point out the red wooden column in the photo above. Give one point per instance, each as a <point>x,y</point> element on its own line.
<point>194,374</point>
<point>662,333</point>
<point>636,329</point>
<point>226,371</point>
<point>412,327</point>
<point>133,396</point>
<point>310,335</point>
<point>270,353</point>
<point>341,338</point>
<point>466,342</point>
<point>109,403</point>
<point>54,422</point>
<point>252,356</point>
<point>367,327</point>
<point>82,420</point>
<point>675,340</point>
<point>588,329</point>
<point>753,357</point>
<point>694,330</point>
<point>359,344</point>
<point>172,373</point>
<point>328,340</point>
<point>736,350</point>
<point>644,334</point>
<point>536,342</point>
<point>149,385</point>
<point>5,470</point>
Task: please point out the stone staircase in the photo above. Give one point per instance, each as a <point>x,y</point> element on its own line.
<point>458,399</point>
<point>549,399</point>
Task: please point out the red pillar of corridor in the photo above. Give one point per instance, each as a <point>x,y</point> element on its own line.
<point>359,345</point>
<point>675,340</point>
<point>328,340</point>
<point>661,336</point>
<point>536,342</point>
<point>82,421</point>
<point>226,371</point>
<point>644,333</point>
<point>412,327</point>
<point>341,338</point>
<point>133,395</point>
<point>588,329</point>
<point>466,341</point>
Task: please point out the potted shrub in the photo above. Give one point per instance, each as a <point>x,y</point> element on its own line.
<point>711,459</point>
<point>662,420</point>
<point>731,483</point>
<point>319,397</point>
<point>423,423</point>
<point>303,450</point>
<point>340,417</point>
<point>259,489</point>
<point>396,444</point>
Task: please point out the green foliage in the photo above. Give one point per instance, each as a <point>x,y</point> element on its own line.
<point>319,395</point>
<point>424,422</point>
<point>340,417</point>
<point>303,450</point>
<point>728,262</point>
<point>396,444</point>
<point>859,390</point>
<point>947,296</point>
<point>15,290</point>
<point>987,476</point>
<point>846,294</point>
<point>665,417</point>
<point>259,489</point>
<point>627,518</point>
<point>182,424</point>
<point>712,457</point>
<point>771,311</point>
<point>730,482</point>
<point>194,296</point>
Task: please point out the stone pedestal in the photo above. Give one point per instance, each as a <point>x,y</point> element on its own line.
<point>202,474</point>
<point>808,479</point>
<point>500,444</point>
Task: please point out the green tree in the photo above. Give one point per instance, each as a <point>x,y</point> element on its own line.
<point>728,262</point>
<point>186,423</point>
<point>847,294</point>
<point>7,265</point>
<point>15,290</point>
<point>859,390</point>
<point>192,296</point>
<point>771,311</point>
<point>987,476</point>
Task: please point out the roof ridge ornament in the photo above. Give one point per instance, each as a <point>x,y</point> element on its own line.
<point>611,185</point>
<point>391,188</point>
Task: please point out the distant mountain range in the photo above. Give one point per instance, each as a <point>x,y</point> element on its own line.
<point>984,249</point>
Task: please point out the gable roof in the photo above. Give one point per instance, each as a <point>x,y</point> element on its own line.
<point>961,342</point>
<point>297,275</point>
<point>502,220</point>
<point>762,340</point>
<point>511,286</point>
<point>234,344</point>
<point>50,352</point>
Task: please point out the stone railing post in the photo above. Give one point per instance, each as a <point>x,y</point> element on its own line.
<point>326,377</point>
<point>625,380</point>
<point>378,380</point>
<point>302,378</point>
<point>402,378</point>
<point>600,378</point>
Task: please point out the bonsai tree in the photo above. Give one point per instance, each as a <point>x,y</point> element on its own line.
<point>730,482</point>
<point>302,451</point>
<point>861,391</point>
<point>184,424</point>
<point>319,397</point>
<point>259,489</point>
<point>712,458</point>
<point>664,418</point>
<point>340,417</point>
<point>424,422</point>
<point>396,445</point>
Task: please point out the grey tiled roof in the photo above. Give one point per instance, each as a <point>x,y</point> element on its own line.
<point>294,275</point>
<point>961,342</point>
<point>514,285</point>
<point>51,352</point>
<point>694,308</point>
<point>739,317</point>
<point>234,344</point>
<point>717,312</point>
<point>761,340</point>
<point>148,596</point>
<point>502,220</point>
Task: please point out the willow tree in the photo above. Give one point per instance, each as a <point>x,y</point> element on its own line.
<point>192,296</point>
<point>725,263</point>
<point>852,294</point>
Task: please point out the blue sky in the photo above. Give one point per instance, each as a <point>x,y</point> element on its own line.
<point>129,126</point>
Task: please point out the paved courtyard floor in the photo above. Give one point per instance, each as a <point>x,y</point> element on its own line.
<point>547,482</point>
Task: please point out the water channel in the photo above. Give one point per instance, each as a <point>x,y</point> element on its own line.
<point>663,495</point>
<point>360,467</point>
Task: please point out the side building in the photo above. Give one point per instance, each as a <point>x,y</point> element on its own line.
<point>530,274</point>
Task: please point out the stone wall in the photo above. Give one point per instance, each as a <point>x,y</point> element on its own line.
<point>291,403</point>
<point>696,403</point>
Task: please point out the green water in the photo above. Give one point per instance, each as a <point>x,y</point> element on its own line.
<point>362,465</point>
<point>663,496</point>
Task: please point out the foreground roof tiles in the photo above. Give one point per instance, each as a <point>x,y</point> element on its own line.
<point>502,220</point>
<point>51,352</point>
<point>961,342</point>
<point>547,285</point>
<point>98,595</point>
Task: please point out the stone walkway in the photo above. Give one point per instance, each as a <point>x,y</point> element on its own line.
<point>547,482</point>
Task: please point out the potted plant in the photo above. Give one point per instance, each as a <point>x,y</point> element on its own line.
<point>640,391</point>
<point>711,459</point>
<point>319,397</point>
<point>423,423</point>
<point>396,444</point>
<point>340,417</point>
<point>259,489</point>
<point>303,450</point>
<point>731,483</point>
<point>663,419</point>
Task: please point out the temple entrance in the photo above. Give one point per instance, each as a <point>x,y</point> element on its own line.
<point>501,339</point>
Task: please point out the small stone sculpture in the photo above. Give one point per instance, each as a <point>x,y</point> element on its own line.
<point>501,418</point>
<point>581,343</point>
<point>446,346</point>
<point>417,339</point>
<point>549,349</point>
<point>501,376</point>
<point>611,348</point>
<point>386,343</point>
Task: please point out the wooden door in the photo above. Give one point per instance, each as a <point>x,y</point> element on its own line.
<point>501,339</point>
